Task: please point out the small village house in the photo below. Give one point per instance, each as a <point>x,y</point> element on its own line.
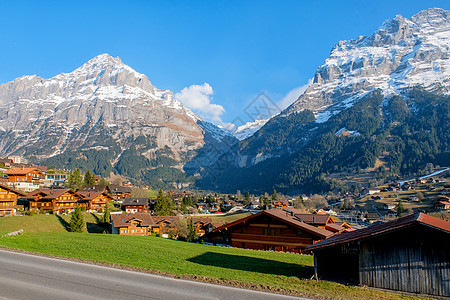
<point>134,205</point>
<point>141,223</point>
<point>118,192</point>
<point>410,254</point>
<point>8,200</point>
<point>132,224</point>
<point>95,201</point>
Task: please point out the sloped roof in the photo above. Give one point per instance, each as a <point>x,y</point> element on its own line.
<point>49,194</point>
<point>124,220</point>
<point>21,171</point>
<point>283,215</point>
<point>316,219</point>
<point>135,201</point>
<point>365,233</point>
<point>119,189</point>
<point>94,188</point>
<point>11,190</point>
<point>90,195</point>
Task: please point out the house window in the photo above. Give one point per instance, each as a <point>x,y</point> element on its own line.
<point>242,229</point>
<point>282,231</point>
<point>273,231</point>
<point>243,245</point>
<point>299,232</point>
<point>264,231</point>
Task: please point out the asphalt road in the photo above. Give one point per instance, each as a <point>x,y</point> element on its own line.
<point>24,276</point>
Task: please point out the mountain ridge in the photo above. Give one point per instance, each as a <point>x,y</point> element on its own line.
<point>104,107</point>
<point>402,62</point>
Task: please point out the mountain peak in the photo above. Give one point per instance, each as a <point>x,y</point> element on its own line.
<point>432,17</point>
<point>104,59</point>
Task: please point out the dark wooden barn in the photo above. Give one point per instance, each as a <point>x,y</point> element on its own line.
<point>410,254</point>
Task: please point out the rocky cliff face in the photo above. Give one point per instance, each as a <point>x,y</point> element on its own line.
<point>399,55</point>
<point>345,117</point>
<point>102,106</point>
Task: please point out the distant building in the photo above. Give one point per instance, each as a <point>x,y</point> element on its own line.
<point>134,205</point>
<point>141,223</point>
<point>410,254</point>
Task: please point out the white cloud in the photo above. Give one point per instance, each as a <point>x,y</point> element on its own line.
<point>293,95</point>
<point>198,98</point>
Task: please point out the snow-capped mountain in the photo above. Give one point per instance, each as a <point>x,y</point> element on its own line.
<point>382,97</point>
<point>248,129</point>
<point>102,105</point>
<point>399,55</point>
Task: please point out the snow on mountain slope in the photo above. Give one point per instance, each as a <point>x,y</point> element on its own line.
<point>248,129</point>
<point>400,54</point>
<point>103,102</point>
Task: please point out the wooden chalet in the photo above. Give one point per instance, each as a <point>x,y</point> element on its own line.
<point>8,200</point>
<point>134,205</point>
<point>442,205</point>
<point>132,224</point>
<point>280,204</point>
<point>162,223</point>
<point>57,200</point>
<point>25,175</point>
<point>203,225</point>
<point>317,220</point>
<point>119,192</point>
<point>95,188</point>
<point>275,229</point>
<point>410,254</point>
<point>141,223</point>
<point>94,201</point>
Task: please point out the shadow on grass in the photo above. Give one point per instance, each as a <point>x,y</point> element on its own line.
<point>252,264</point>
<point>94,228</point>
<point>63,222</point>
<point>97,219</point>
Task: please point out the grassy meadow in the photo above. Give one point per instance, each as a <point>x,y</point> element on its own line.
<point>270,271</point>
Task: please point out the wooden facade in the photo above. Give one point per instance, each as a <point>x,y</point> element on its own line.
<point>8,200</point>
<point>135,205</point>
<point>141,223</point>
<point>95,201</point>
<point>411,254</point>
<point>132,224</point>
<point>57,200</point>
<point>25,175</point>
<point>276,230</point>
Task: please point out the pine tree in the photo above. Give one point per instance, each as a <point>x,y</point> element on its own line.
<point>76,223</point>
<point>400,209</point>
<point>103,181</point>
<point>89,179</point>
<point>106,216</point>
<point>163,206</point>
<point>274,195</point>
<point>192,234</point>
<point>74,180</point>
<point>247,200</point>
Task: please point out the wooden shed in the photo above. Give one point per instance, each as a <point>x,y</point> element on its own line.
<point>410,254</point>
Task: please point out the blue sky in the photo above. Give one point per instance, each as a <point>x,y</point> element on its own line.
<point>229,50</point>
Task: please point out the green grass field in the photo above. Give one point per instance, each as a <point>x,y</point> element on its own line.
<point>270,271</point>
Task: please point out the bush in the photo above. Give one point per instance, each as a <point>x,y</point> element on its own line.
<point>30,213</point>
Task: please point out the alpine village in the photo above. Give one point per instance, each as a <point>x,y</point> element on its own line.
<point>345,195</point>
